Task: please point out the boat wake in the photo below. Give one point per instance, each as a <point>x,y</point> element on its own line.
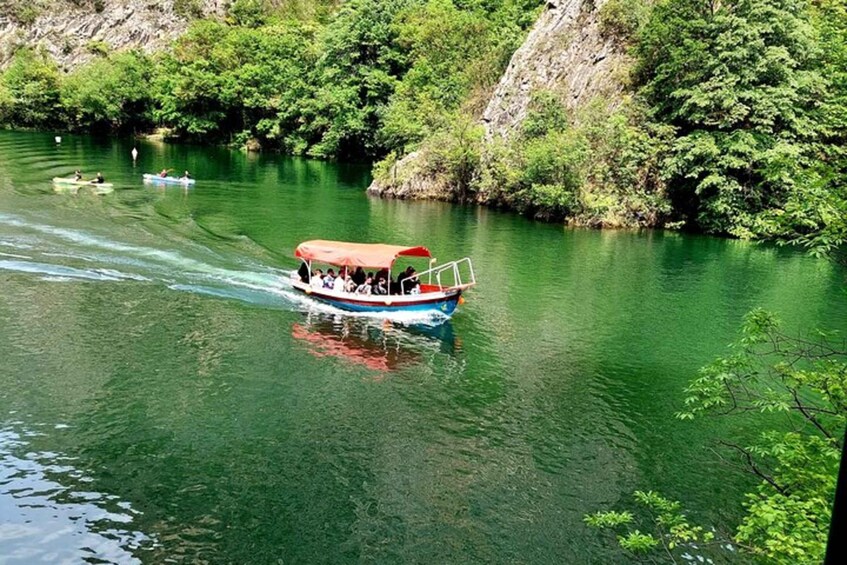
<point>60,254</point>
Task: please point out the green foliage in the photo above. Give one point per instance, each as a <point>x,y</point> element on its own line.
<point>221,79</point>
<point>188,8</point>
<point>249,13</point>
<point>667,527</point>
<point>30,89</point>
<point>25,12</point>
<point>454,155</point>
<point>787,516</point>
<point>739,81</point>
<point>97,47</point>
<point>111,93</point>
<point>623,19</point>
<point>357,73</point>
<point>605,169</point>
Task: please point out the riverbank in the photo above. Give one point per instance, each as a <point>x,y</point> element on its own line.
<point>602,113</point>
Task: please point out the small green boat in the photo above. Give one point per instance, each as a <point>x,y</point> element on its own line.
<point>73,182</point>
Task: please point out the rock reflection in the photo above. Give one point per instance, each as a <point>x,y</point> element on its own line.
<point>49,515</point>
<point>378,345</point>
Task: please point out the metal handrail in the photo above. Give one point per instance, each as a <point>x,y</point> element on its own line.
<point>438,270</point>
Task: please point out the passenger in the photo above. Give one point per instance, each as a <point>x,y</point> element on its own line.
<point>77,175</point>
<point>99,179</point>
<point>359,276</point>
<point>303,272</point>
<point>317,279</point>
<point>349,284</point>
<point>404,288</point>
<point>413,286</point>
<point>380,286</point>
<point>329,279</point>
<point>338,284</point>
<point>164,173</point>
<point>366,287</point>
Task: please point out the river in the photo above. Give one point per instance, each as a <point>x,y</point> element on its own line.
<point>165,396</point>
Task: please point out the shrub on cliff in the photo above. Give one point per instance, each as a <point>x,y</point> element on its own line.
<point>601,167</point>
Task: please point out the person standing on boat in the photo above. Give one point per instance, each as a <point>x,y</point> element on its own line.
<point>303,272</point>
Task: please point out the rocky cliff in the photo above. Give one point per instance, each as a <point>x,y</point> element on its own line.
<point>565,53</point>
<point>73,30</point>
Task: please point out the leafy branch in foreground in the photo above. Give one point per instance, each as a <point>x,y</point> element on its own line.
<point>669,530</point>
<point>787,516</point>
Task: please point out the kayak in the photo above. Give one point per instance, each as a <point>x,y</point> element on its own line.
<point>167,180</point>
<point>74,182</point>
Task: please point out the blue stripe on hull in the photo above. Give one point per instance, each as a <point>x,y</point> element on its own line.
<point>446,307</point>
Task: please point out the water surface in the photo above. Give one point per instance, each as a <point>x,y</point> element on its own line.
<point>165,396</point>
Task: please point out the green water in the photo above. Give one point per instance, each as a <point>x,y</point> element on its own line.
<point>164,396</point>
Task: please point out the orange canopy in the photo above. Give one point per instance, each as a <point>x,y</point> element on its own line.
<point>342,253</point>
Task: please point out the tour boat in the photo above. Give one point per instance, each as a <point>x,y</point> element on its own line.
<point>439,288</point>
<point>73,182</point>
<point>167,180</point>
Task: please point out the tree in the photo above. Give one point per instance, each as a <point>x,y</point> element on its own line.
<point>29,90</point>
<point>110,93</point>
<point>805,378</point>
<point>738,80</point>
<point>358,71</point>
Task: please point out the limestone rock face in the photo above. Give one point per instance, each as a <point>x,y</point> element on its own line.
<point>66,29</point>
<point>565,53</point>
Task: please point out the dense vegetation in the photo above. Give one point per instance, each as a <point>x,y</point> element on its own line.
<point>329,79</point>
<point>734,120</point>
<point>733,124</point>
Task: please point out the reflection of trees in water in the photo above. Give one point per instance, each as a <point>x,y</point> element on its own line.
<point>379,345</point>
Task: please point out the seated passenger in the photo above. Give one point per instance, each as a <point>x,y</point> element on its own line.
<point>317,279</point>
<point>359,276</point>
<point>366,287</point>
<point>414,286</point>
<point>329,279</point>
<point>349,284</point>
<point>379,287</point>
<point>338,284</point>
<point>405,288</point>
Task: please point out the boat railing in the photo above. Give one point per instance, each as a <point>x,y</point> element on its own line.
<point>454,268</point>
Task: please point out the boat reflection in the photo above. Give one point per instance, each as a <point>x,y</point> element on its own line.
<point>379,345</point>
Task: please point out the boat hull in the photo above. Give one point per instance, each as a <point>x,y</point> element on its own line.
<point>167,180</point>
<point>72,182</point>
<point>443,303</point>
